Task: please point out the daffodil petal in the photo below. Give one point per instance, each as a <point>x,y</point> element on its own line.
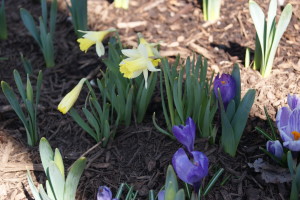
<point>145,73</point>
<point>132,53</point>
<point>85,44</point>
<point>143,50</point>
<point>100,49</point>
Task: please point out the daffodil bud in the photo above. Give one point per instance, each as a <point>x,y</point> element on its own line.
<point>68,101</point>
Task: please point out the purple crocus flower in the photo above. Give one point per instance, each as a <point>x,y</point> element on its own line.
<point>275,148</point>
<point>186,134</point>
<point>193,170</point>
<point>104,193</point>
<point>288,123</point>
<point>227,86</point>
<point>161,195</point>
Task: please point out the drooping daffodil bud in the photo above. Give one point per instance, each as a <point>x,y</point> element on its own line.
<point>94,37</point>
<point>104,193</point>
<point>138,62</point>
<point>190,169</point>
<point>68,101</point>
<point>275,148</point>
<point>227,86</point>
<point>186,134</point>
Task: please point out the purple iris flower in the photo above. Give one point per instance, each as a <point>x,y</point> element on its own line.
<point>104,193</point>
<point>186,134</point>
<point>275,148</point>
<point>288,123</point>
<point>227,86</point>
<point>190,170</point>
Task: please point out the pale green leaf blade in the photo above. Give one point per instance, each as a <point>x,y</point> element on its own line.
<point>73,178</point>
<point>46,153</point>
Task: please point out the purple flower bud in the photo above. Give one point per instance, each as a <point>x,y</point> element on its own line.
<point>193,170</point>
<point>275,148</point>
<point>293,101</point>
<point>104,193</point>
<point>161,195</point>
<point>227,86</point>
<point>186,134</point>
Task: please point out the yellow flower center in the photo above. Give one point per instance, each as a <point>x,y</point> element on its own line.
<point>223,82</point>
<point>155,62</point>
<point>85,44</point>
<point>296,135</point>
<point>129,67</point>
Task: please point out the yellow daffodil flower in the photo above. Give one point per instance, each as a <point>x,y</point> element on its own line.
<point>93,37</point>
<point>68,101</point>
<point>139,61</point>
<point>121,4</point>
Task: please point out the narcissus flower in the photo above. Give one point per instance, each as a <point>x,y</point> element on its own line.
<point>186,134</point>
<point>275,148</point>
<point>93,37</point>
<point>227,86</point>
<point>104,193</point>
<point>68,101</point>
<point>139,61</point>
<point>190,169</point>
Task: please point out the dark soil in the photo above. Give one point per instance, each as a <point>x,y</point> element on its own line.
<point>139,155</point>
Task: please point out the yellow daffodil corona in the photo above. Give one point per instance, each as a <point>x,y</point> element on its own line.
<point>139,61</point>
<point>93,37</point>
<point>68,101</point>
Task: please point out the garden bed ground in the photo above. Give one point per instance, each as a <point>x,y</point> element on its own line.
<point>139,155</point>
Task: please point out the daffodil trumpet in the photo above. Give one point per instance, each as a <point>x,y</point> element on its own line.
<point>94,37</point>
<point>69,100</point>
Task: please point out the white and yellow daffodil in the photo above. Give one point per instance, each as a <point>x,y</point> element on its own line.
<point>68,101</point>
<point>151,47</point>
<point>121,4</point>
<point>94,37</point>
<point>139,61</point>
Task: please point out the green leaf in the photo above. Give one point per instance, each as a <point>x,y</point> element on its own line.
<point>44,12</point>
<point>30,25</point>
<point>230,110</point>
<point>160,129</point>
<point>43,194</point>
<point>180,195</point>
<point>29,91</point>
<point>212,181</point>
<point>33,189</point>
<point>237,77</point>
<point>26,64</point>
<point>53,13</point>
<point>259,21</point>
<point>171,178</point>
<point>92,120</point>
<point>12,99</point>
<point>19,84</point>
<point>170,191</point>
<point>59,162</point>
<point>56,180</point>
<point>228,140</point>
<point>73,178</point>
<point>241,116</point>
<point>49,190</point>
<point>128,107</point>
<point>3,25</point>
<point>283,23</point>
<point>46,153</point>
<point>76,117</point>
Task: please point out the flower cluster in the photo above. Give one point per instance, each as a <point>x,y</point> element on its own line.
<point>191,166</point>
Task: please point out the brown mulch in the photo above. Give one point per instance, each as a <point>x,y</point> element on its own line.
<point>139,154</point>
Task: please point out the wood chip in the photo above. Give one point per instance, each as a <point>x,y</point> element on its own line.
<point>200,50</point>
<point>131,24</point>
<point>15,167</point>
